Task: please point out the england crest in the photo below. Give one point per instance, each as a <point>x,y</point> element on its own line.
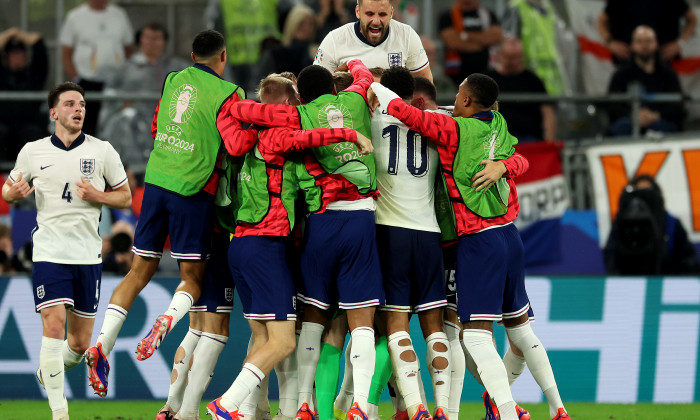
<point>40,292</point>
<point>395,59</point>
<point>228,294</point>
<point>87,166</point>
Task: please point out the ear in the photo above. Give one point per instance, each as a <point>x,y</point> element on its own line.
<point>52,113</point>
<point>357,11</point>
<point>223,56</point>
<point>193,59</point>
<point>467,101</point>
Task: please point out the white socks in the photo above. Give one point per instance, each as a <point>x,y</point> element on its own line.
<point>204,360</point>
<point>52,372</point>
<point>406,372</point>
<point>181,367</point>
<point>246,382</point>
<point>515,365</point>
<point>363,359</point>
<point>179,307</point>
<point>288,384</point>
<point>438,359</point>
<point>344,399</point>
<point>70,358</point>
<point>308,353</point>
<point>112,324</point>
<point>479,343</point>
<point>457,368</point>
<point>538,363</point>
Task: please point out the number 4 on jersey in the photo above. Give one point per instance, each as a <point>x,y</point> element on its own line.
<point>66,193</point>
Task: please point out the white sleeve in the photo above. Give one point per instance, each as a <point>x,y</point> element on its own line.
<point>68,35</point>
<point>22,166</point>
<point>128,34</point>
<point>325,56</point>
<point>417,58</point>
<point>114,172</point>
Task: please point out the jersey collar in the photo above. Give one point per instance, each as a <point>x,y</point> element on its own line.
<point>363,39</point>
<point>484,115</point>
<point>58,143</point>
<point>206,68</point>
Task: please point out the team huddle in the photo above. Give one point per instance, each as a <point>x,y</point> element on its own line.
<point>343,202</point>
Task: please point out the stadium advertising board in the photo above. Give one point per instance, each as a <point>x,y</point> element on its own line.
<point>674,163</point>
<point>609,339</point>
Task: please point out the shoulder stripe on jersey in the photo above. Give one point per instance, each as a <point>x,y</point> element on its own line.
<point>420,68</point>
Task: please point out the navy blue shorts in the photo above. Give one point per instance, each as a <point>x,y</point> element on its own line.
<point>412,269</point>
<point>264,282</point>
<point>449,260</point>
<point>217,285</point>
<point>340,262</point>
<point>491,275</point>
<point>76,285</point>
<point>188,221</point>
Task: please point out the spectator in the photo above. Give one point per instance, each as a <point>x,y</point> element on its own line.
<point>6,250</point>
<point>534,22</point>
<point>24,68</point>
<point>654,76</point>
<point>468,31</point>
<point>618,20</point>
<point>128,124</point>
<point>528,121</point>
<point>332,14</point>
<point>94,35</point>
<point>645,238</point>
<point>296,50</point>
<point>442,82</point>
<point>245,24</point>
<point>117,249</point>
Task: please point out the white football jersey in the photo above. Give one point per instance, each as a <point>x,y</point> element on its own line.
<point>401,47</point>
<point>66,231</point>
<point>406,165</point>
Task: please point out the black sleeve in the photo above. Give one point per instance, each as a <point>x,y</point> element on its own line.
<point>39,65</point>
<point>444,21</point>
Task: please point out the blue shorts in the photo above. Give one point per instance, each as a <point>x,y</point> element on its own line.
<point>217,285</point>
<point>77,286</point>
<point>449,259</point>
<point>188,220</point>
<point>340,262</point>
<point>411,262</point>
<point>264,282</point>
<point>491,275</point>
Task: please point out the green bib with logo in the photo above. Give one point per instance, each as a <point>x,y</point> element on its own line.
<point>479,140</point>
<point>188,141</point>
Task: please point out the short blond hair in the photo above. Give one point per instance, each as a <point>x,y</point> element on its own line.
<point>275,89</point>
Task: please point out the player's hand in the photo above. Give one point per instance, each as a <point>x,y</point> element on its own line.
<point>342,67</point>
<point>372,100</point>
<point>86,191</point>
<point>364,145</point>
<point>18,190</point>
<point>485,178</point>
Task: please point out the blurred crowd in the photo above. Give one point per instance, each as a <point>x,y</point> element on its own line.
<point>521,50</point>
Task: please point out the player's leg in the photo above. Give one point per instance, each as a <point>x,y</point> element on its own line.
<point>382,366</point>
<point>288,382</point>
<point>51,367</point>
<point>457,362</point>
<point>309,351</point>
<point>79,332</point>
<point>481,291</point>
<point>215,334</point>
<point>438,357</point>
<point>81,316</point>
<point>278,338</point>
<point>181,367</point>
<point>405,362</point>
<point>190,225</point>
<point>328,371</point>
<point>343,401</point>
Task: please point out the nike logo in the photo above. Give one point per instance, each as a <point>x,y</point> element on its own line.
<point>44,167</point>
<point>53,375</point>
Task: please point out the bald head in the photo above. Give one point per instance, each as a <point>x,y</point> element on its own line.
<point>644,45</point>
<point>510,56</point>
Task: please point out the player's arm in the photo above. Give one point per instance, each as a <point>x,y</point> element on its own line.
<point>237,141</point>
<point>424,72</point>
<point>267,115</point>
<point>154,123</point>
<point>324,55</point>
<point>15,190</point>
<point>361,78</point>
<point>513,166</point>
<point>291,140</point>
<point>516,165</point>
<point>118,198</point>
<point>438,127</point>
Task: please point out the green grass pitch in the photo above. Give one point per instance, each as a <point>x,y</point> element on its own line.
<point>143,410</point>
